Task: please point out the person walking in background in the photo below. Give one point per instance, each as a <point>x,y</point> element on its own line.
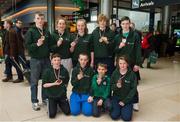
<point>10,50</point>
<point>61,40</point>
<point>55,80</point>
<point>38,44</point>
<point>82,43</point>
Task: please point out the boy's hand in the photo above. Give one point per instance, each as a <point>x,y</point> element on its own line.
<point>99,80</point>
<point>90,99</point>
<point>40,42</point>
<point>121,103</point>
<point>59,42</point>
<point>58,82</point>
<point>99,103</point>
<point>80,76</point>
<point>122,44</point>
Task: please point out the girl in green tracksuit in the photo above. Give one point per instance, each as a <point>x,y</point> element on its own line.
<point>123,89</point>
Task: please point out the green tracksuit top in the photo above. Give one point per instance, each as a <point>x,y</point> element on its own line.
<point>132,49</point>
<point>64,48</point>
<point>32,37</point>
<point>50,77</point>
<point>101,49</point>
<point>128,88</point>
<point>83,85</point>
<point>84,44</point>
<point>103,89</point>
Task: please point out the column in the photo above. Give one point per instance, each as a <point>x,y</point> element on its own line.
<point>51,15</point>
<point>151,20</point>
<point>165,19</point>
<point>106,7</point>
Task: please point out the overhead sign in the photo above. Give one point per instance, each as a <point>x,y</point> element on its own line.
<point>152,3</point>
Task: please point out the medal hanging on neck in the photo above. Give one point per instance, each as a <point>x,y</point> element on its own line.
<point>119,82</point>
<point>101,35</point>
<point>57,75</point>
<point>60,37</point>
<point>42,35</point>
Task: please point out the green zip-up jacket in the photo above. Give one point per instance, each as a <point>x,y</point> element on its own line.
<point>103,89</point>
<point>101,49</point>
<point>83,85</point>
<point>64,48</point>
<point>32,37</point>
<point>49,77</point>
<point>84,45</point>
<point>128,88</point>
<point>132,49</point>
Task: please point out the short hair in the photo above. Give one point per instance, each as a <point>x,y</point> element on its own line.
<point>102,65</point>
<point>39,14</point>
<point>9,22</point>
<point>102,17</point>
<point>125,18</point>
<point>84,54</point>
<point>55,55</point>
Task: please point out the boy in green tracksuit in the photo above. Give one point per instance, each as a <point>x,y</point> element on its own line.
<point>123,87</point>
<point>55,81</point>
<point>100,89</point>
<point>81,81</point>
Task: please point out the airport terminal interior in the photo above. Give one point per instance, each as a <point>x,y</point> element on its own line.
<point>159,87</point>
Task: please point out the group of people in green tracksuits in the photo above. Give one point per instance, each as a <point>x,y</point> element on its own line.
<point>102,67</point>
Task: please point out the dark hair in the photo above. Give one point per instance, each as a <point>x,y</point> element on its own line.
<point>102,65</point>
<point>39,14</point>
<point>123,57</point>
<point>125,18</point>
<point>55,55</point>
<point>113,24</point>
<point>84,54</point>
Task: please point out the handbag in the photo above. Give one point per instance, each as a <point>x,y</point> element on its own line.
<point>153,56</point>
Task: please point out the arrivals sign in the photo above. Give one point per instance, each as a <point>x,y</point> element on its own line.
<point>152,3</point>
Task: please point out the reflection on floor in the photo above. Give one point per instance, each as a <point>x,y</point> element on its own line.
<point>159,92</point>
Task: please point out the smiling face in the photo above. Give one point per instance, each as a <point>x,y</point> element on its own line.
<point>39,20</point>
<point>102,24</point>
<point>81,25</point>
<point>61,25</point>
<point>83,60</point>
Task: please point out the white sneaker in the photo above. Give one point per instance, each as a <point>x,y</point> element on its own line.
<point>35,106</point>
<point>136,107</point>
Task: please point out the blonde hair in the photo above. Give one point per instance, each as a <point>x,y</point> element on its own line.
<point>102,17</point>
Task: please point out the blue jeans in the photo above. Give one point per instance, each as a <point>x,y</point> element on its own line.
<point>78,102</point>
<point>37,67</point>
<point>125,112</point>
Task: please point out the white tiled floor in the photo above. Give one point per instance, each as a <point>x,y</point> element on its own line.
<point>159,92</point>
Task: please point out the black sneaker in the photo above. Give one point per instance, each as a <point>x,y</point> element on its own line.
<point>18,81</point>
<point>8,79</point>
